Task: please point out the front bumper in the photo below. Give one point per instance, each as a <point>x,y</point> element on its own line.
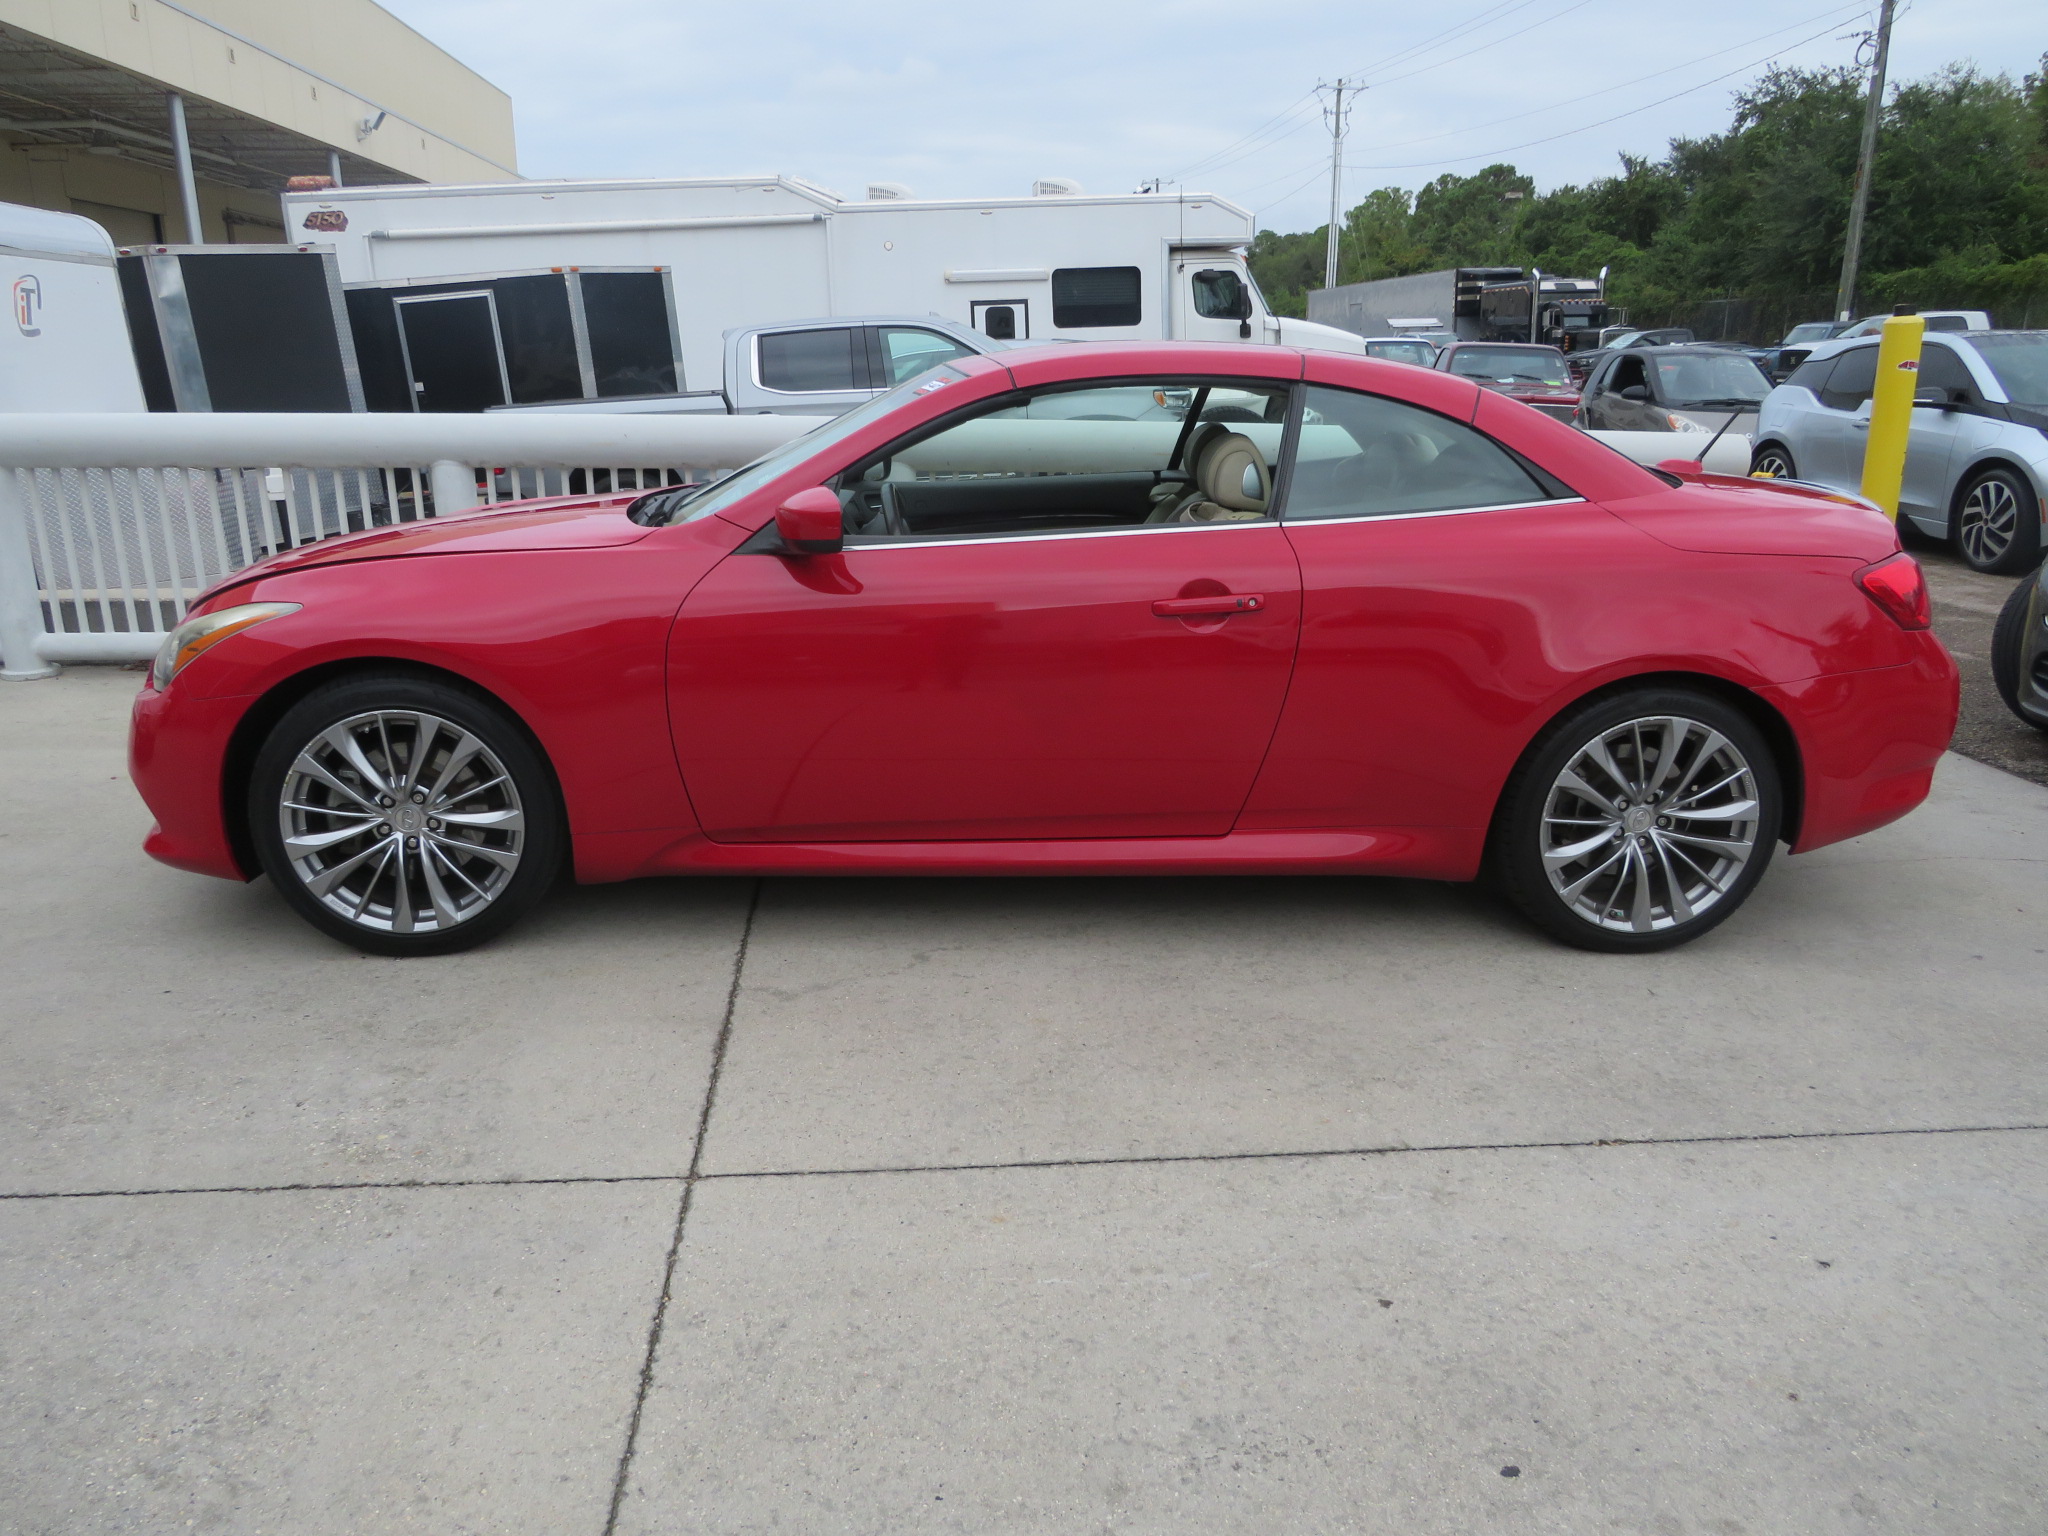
<point>177,754</point>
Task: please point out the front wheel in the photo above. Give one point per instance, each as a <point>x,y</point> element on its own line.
<point>1773,461</point>
<point>1639,821</point>
<point>1997,524</point>
<point>404,816</point>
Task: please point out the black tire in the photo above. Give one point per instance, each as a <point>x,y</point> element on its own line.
<point>1995,523</point>
<point>419,884</point>
<point>2008,648</point>
<point>1774,459</point>
<point>1678,869</point>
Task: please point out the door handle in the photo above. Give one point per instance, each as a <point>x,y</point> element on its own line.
<point>1215,605</point>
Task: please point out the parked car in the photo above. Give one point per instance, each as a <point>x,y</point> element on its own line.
<point>1524,371</point>
<point>1798,343</point>
<point>1937,320</point>
<point>1402,349</point>
<point>1976,455</point>
<point>1666,336</point>
<point>942,633</point>
<point>1672,389</point>
<point>2019,651</point>
<point>801,368</point>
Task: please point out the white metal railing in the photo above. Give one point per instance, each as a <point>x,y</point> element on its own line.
<point>110,524</point>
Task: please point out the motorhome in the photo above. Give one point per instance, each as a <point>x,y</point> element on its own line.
<point>66,348</point>
<point>467,297</point>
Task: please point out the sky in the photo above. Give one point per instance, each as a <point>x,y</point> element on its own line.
<point>958,100</point>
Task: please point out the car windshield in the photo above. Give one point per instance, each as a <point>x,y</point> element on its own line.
<point>1703,378</point>
<point>1814,330</point>
<point>2020,360</point>
<point>692,502</point>
<point>1511,365</point>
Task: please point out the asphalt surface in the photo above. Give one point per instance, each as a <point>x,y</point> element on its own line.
<point>1966,606</point>
<point>888,1206</point>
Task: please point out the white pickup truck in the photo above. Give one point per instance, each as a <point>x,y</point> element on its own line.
<point>802,368</point>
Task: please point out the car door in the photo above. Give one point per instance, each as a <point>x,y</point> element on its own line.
<point>1935,435</point>
<point>1834,437</point>
<point>1039,627</point>
<point>1212,300</point>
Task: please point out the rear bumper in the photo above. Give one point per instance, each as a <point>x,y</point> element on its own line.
<point>177,750</point>
<point>1869,741</point>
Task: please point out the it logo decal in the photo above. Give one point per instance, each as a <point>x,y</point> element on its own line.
<point>28,298</point>
<point>331,220</point>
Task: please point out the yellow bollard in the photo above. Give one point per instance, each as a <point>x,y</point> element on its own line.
<point>1891,411</point>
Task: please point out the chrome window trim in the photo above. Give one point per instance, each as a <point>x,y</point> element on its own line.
<point>886,542</point>
<point>1388,517</point>
<point>858,542</point>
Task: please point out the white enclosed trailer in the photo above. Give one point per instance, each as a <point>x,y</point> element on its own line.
<point>64,346</point>
<point>757,250</point>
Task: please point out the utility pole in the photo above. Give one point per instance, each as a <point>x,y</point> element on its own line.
<point>1335,115</point>
<point>1859,200</point>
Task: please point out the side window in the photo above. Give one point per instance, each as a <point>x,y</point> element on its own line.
<point>801,361</point>
<point>1942,369</point>
<point>1095,296</point>
<point>1220,294</point>
<point>908,350</point>
<point>1812,375</point>
<point>1628,373</point>
<point>1128,455</point>
<point>1366,456</point>
<point>1855,376</point>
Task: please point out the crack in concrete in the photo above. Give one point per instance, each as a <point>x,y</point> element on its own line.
<point>675,1246</point>
<point>694,1175</point>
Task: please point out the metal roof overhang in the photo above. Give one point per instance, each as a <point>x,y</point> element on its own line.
<point>52,95</point>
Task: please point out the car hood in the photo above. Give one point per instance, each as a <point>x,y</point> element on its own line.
<point>560,522</point>
<point>1734,515</point>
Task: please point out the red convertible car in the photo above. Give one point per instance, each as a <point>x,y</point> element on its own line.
<point>1111,609</point>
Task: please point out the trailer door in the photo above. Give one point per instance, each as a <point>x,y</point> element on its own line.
<point>454,351</point>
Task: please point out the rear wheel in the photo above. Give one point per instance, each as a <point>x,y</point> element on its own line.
<point>1773,460</point>
<point>1997,523</point>
<point>404,816</point>
<point>1639,821</point>
<point>2009,648</point>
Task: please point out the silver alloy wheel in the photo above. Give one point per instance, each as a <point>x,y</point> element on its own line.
<point>1987,521</point>
<point>1650,824</point>
<point>401,822</point>
<point>1773,462</point>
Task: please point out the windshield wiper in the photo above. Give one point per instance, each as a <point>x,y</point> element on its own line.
<point>656,508</point>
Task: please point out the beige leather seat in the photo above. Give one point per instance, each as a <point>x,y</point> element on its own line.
<point>1232,484</point>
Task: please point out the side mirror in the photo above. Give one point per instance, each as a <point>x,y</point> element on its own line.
<point>811,523</point>
<point>1638,392</point>
<point>1935,397</point>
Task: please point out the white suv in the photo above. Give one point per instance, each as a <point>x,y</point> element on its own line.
<point>1977,459</point>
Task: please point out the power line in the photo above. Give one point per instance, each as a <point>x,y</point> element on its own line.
<point>1493,42</point>
<point>1603,122</point>
<point>1609,90</point>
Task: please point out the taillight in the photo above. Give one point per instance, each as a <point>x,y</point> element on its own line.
<point>1898,587</point>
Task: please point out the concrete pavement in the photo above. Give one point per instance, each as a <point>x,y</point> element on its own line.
<point>896,1206</point>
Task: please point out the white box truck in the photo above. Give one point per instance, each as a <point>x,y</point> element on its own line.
<point>465,297</point>
<point>64,346</point>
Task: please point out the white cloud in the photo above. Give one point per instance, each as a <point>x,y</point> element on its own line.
<point>973,100</point>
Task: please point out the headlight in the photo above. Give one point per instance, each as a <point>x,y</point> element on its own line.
<point>199,634</point>
<point>1683,423</point>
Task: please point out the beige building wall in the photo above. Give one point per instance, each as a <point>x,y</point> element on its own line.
<point>319,67</point>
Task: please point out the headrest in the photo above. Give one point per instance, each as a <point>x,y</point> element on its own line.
<point>1232,473</point>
